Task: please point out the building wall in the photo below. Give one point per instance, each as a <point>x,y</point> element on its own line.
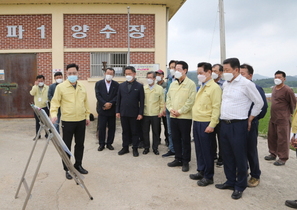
<point>57,47</point>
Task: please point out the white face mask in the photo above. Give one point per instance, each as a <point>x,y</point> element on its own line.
<point>172,71</point>
<point>214,75</point>
<point>158,78</point>
<point>40,84</point>
<point>178,74</point>
<point>201,78</point>
<point>59,80</point>
<point>150,81</point>
<point>108,77</point>
<point>129,78</point>
<point>277,81</point>
<point>228,76</point>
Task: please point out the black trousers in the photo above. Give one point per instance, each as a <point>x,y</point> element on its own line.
<point>164,120</point>
<point>108,122</point>
<point>234,151</point>
<point>130,131</point>
<point>78,130</point>
<point>155,122</point>
<point>252,150</point>
<point>37,126</point>
<point>181,137</point>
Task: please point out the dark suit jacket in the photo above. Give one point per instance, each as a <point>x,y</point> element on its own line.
<point>130,103</point>
<point>103,97</point>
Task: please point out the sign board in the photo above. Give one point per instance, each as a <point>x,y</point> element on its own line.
<point>142,69</point>
<point>2,75</point>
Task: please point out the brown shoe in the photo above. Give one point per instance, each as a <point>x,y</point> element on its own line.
<point>270,157</point>
<point>253,182</point>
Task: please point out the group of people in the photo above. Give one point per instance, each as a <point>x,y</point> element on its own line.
<point>224,109</point>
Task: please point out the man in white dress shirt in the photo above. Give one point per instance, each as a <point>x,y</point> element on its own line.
<point>238,95</point>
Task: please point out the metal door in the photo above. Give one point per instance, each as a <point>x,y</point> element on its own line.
<point>17,76</point>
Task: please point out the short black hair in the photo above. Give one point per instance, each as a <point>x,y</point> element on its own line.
<point>206,66</point>
<point>172,61</point>
<point>58,74</point>
<point>151,72</point>
<point>111,69</point>
<point>184,64</point>
<point>280,72</point>
<point>248,67</point>
<point>234,62</point>
<point>130,68</point>
<point>71,66</point>
<point>220,66</point>
<point>40,77</point>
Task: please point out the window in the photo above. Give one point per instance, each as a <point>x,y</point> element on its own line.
<point>101,60</point>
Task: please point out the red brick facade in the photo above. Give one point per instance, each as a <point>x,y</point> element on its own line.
<point>142,58</point>
<point>96,22</point>
<point>44,66</point>
<point>82,59</point>
<point>31,35</point>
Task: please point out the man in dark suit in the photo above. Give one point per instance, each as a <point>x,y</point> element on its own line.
<point>130,104</point>
<point>106,94</point>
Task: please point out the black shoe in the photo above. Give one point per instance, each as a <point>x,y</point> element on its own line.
<point>81,169</point>
<point>123,151</point>
<point>175,163</point>
<point>197,176</point>
<point>236,194</point>
<point>270,157</point>
<point>169,153</point>
<point>185,167</point>
<point>156,152</point>
<point>204,182</point>
<point>135,152</point>
<point>101,147</point>
<point>291,203</point>
<point>224,187</point>
<point>110,147</point>
<point>145,151</point>
<point>68,176</point>
<point>219,163</point>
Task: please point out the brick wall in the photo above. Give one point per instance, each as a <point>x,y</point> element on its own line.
<point>31,35</point>
<point>142,58</point>
<point>97,22</point>
<point>44,66</point>
<point>82,59</point>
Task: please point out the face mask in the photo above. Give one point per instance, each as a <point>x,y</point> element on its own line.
<point>40,84</point>
<point>150,81</point>
<point>158,78</point>
<point>178,74</point>
<point>214,75</point>
<point>277,81</point>
<point>72,78</point>
<point>108,77</point>
<point>201,77</point>
<point>172,71</point>
<point>129,78</point>
<point>59,80</point>
<point>228,76</point>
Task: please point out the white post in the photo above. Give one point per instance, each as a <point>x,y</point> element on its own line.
<point>128,55</point>
<point>222,31</point>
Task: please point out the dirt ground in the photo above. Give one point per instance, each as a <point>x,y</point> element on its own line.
<point>126,182</point>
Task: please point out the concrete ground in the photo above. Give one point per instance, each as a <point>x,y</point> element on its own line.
<point>126,182</point>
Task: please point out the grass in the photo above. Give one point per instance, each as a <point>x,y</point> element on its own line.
<point>263,123</point>
<point>269,90</point>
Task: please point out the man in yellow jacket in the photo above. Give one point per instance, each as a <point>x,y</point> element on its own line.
<point>206,113</point>
<point>180,99</point>
<point>71,97</point>
<point>40,92</point>
<point>153,111</point>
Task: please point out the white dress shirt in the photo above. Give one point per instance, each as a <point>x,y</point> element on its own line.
<point>237,98</point>
<point>107,85</point>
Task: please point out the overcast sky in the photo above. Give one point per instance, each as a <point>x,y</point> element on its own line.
<point>262,33</point>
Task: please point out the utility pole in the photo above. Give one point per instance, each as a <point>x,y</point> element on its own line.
<point>128,55</point>
<point>222,31</point>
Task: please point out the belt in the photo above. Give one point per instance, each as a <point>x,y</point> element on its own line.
<point>232,121</point>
